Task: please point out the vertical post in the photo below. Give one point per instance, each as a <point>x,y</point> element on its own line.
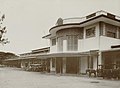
<point>104,31</point>
<point>55,66</point>
<point>50,64</point>
<point>88,61</point>
<point>97,62</point>
<point>64,45</point>
<point>64,65</point>
<point>80,64</point>
<point>100,58</point>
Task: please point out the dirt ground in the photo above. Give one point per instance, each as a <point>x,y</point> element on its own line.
<point>16,78</point>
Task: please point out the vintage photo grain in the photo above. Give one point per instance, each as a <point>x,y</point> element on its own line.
<point>59,43</point>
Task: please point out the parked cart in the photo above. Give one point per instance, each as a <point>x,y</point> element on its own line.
<point>36,67</point>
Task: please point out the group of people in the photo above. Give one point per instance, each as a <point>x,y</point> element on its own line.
<point>104,72</point>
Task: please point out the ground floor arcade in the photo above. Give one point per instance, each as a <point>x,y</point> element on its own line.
<point>70,63</point>
<point>79,64</point>
<point>73,65</point>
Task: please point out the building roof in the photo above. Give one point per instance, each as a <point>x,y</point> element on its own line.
<point>41,49</point>
<point>83,21</point>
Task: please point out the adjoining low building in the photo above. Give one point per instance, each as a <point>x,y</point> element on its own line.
<point>31,59</point>
<point>78,44</point>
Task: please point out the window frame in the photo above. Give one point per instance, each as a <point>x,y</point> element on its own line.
<point>72,42</point>
<point>53,42</point>
<point>92,30</point>
<point>60,43</point>
<point>111,30</point>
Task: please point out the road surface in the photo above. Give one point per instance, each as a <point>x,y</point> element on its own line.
<point>16,78</point>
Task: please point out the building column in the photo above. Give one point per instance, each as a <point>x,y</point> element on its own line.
<point>64,65</point>
<point>50,64</point>
<point>100,58</point>
<point>118,32</point>
<point>51,67</point>
<point>79,64</point>
<point>90,62</point>
<point>21,64</point>
<point>104,31</point>
<point>64,45</point>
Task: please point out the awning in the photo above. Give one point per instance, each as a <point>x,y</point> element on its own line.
<point>71,54</point>
<point>53,55</point>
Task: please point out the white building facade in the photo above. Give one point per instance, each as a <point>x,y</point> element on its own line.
<point>77,44</point>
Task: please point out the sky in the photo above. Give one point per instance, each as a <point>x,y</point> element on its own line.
<point>27,21</point>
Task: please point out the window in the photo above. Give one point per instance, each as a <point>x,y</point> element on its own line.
<point>53,42</point>
<point>111,34</point>
<point>111,15</point>
<point>72,42</point>
<point>101,28</point>
<point>111,30</point>
<point>60,43</point>
<point>81,33</point>
<point>90,32</point>
<point>91,15</point>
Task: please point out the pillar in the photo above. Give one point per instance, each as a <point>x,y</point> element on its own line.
<point>64,65</point>
<point>100,58</point>
<point>50,64</point>
<point>64,45</point>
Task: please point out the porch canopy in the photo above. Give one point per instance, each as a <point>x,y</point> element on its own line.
<point>20,58</point>
<point>13,59</point>
<point>52,55</point>
<point>70,54</point>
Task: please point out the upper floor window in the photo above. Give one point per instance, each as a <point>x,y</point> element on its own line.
<point>91,15</point>
<point>72,42</point>
<point>90,32</point>
<point>60,43</point>
<point>53,42</point>
<point>111,34</point>
<point>111,30</point>
<point>81,33</point>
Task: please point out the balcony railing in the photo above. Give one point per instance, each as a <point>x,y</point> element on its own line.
<point>81,19</point>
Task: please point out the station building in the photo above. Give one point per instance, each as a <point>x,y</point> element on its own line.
<point>78,44</point>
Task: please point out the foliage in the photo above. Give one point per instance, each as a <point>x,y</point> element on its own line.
<point>3,40</point>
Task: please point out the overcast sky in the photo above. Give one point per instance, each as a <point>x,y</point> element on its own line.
<point>27,21</point>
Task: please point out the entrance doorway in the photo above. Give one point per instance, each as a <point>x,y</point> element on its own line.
<point>72,65</point>
<point>59,65</point>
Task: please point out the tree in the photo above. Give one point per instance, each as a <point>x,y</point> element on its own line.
<point>3,40</point>
<point>7,55</point>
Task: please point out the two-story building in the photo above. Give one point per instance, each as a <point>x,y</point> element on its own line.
<point>77,44</point>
